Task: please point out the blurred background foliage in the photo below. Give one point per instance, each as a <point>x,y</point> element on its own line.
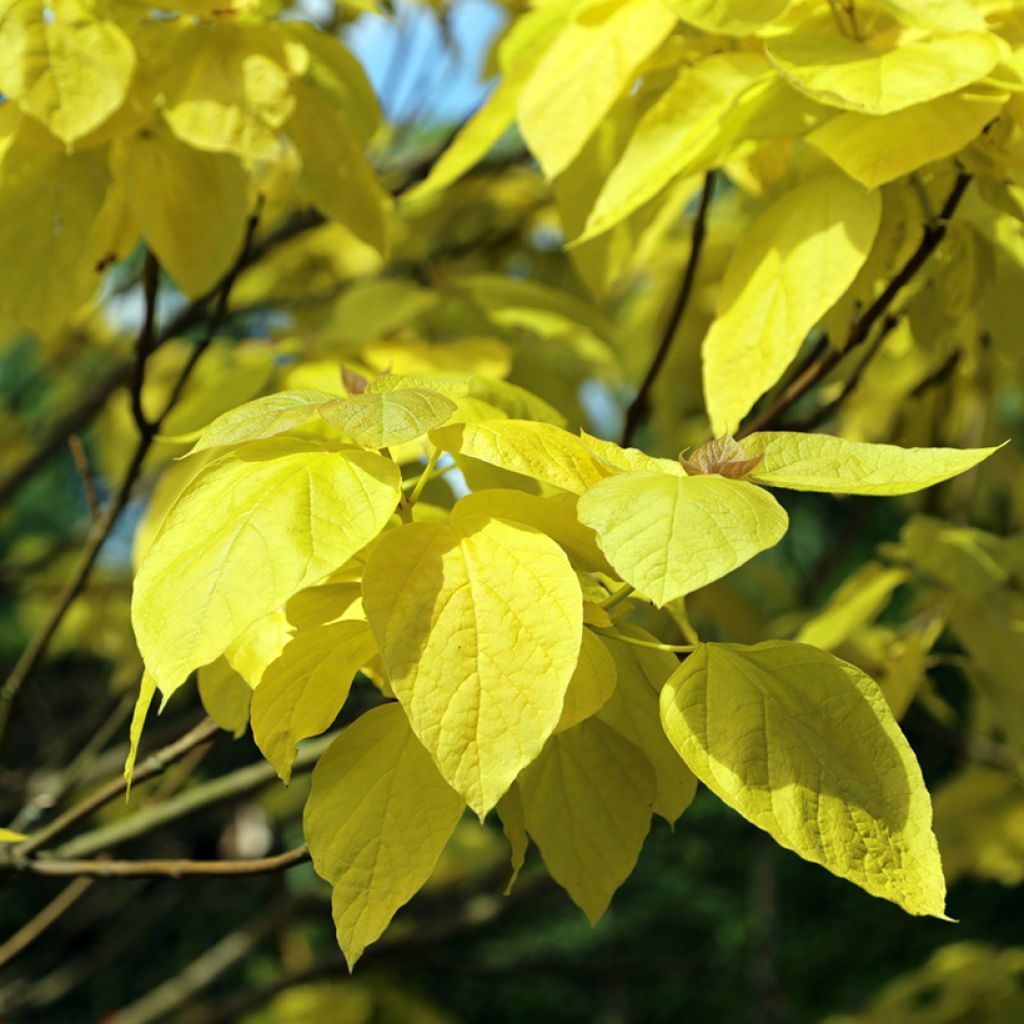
<point>716,924</point>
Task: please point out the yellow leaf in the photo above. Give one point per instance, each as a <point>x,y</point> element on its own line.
<point>539,450</point>
<point>564,100</point>
<point>191,206</point>
<point>876,150</point>
<point>856,603</point>
<point>49,203</point>
<point>880,77</point>
<point>633,711</point>
<point>591,685</point>
<point>247,532</point>
<point>147,690</point>
<point>336,176</point>
<point>376,821</point>
<point>479,624</point>
<point>804,746</point>
<point>728,17</point>
<point>553,514</point>
<point>259,644</point>
<point>8,836</point>
<point>631,460</point>
<point>225,696</point>
<point>379,419</point>
<point>228,88</point>
<point>819,462</point>
<point>302,692</point>
<point>668,535</point>
<point>790,267</point>
<point>261,418</point>
<point>71,76</point>
<point>941,15</point>
<point>587,805</point>
<point>510,810</point>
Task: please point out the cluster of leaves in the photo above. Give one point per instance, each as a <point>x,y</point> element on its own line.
<point>396,493</point>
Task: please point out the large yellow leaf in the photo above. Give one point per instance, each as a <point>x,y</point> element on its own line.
<point>246,533</point>
<point>258,645</point>
<point>728,17</point>
<point>553,514</point>
<point>632,710</point>
<point>587,804</point>
<point>191,206</point>
<point>876,150</point>
<point>804,746</point>
<point>591,62</point>
<point>71,76</point>
<point>302,692</point>
<point>820,462</point>
<point>943,15</point>
<point>882,76</point>
<point>261,418</point>
<point>379,419</point>
<point>49,202</point>
<point>591,685</point>
<point>790,267</point>
<point>228,87</point>
<point>539,450</point>
<point>682,132</point>
<point>669,535</point>
<point>226,697</point>
<point>376,821</point>
<point>479,624</point>
<point>336,176</point>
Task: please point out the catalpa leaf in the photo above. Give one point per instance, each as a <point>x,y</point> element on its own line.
<point>790,267</point>
<point>378,419</point>
<point>376,821</point>
<point>9,836</point>
<point>510,811</point>
<point>479,625</point>
<point>226,697</point>
<point>728,17</point>
<point>587,803</point>
<point>591,684</point>
<point>302,691</point>
<point>820,462</point>
<point>147,691</point>
<point>876,77</point>
<point>669,535</point>
<point>804,746</point>
<point>247,532</point>
<point>261,418</point>
<point>539,450</point>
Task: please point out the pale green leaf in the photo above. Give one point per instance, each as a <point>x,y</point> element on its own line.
<point>376,821</point>
<point>820,462</point>
<point>510,810</point>
<point>479,625</point>
<point>669,535</point>
<point>805,746</point>
<point>247,532</point>
<point>587,805</point>
<point>379,419</point>
<point>795,261</point>
<point>302,692</point>
<point>261,418</point>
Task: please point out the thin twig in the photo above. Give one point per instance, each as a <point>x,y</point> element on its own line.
<point>165,868</point>
<point>639,408</point>
<point>863,325</point>
<point>148,429</point>
<point>156,763</point>
<point>52,912</point>
<point>85,475</point>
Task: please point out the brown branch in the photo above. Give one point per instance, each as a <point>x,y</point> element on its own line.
<point>165,868</point>
<point>156,763</point>
<point>148,430</point>
<point>864,324</point>
<point>50,914</point>
<point>639,408</point>
<point>85,475</point>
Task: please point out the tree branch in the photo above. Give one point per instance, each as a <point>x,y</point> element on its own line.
<point>863,325</point>
<point>639,408</point>
<point>164,868</point>
<point>52,912</point>
<point>148,430</point>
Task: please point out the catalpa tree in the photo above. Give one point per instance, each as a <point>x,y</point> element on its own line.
<point>367,377</point>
